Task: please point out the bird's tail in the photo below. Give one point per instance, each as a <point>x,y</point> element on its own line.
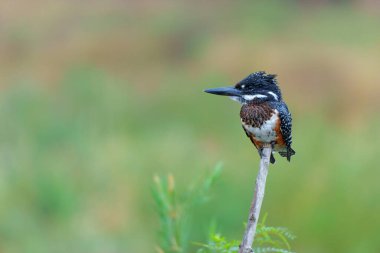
<point>288,153</point>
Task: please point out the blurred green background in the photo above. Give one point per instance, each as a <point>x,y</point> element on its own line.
<point>98,96</point>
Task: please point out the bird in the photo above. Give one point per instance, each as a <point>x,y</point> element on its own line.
<point>264,115</point>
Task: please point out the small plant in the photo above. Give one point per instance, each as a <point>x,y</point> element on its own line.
<point>171,225</point>
<point>272,239</point>
<point>268,240</point>
<point>175,215</point>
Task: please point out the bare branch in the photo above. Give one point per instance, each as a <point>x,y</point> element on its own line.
<point>254,211</point>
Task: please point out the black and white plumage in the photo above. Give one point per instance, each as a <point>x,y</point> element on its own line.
<point>286,129</point>
<point>264,115</point>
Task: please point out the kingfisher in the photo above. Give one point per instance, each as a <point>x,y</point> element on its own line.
<point>265,117</point>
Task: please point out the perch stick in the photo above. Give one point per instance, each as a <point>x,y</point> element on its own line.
<point>254,211</point>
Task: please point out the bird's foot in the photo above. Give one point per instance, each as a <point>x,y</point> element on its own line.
<point>272,160</point>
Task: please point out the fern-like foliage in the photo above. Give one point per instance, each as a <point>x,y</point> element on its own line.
<point>267,240</point>
<point>218,244</point>
<point>272,239</point>
<point>174,214</point>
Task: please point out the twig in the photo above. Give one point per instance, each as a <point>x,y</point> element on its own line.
<point>254,211</point>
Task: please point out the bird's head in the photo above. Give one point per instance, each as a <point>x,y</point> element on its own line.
<point>258,86</point>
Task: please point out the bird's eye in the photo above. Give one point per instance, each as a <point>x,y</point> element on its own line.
<point>242,86</point>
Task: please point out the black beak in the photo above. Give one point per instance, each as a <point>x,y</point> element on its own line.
<point>225,91</point>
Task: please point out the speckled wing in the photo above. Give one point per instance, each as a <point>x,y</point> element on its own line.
<point>285,127</point>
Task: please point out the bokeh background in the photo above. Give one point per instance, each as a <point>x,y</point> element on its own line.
<point>98,96</point>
